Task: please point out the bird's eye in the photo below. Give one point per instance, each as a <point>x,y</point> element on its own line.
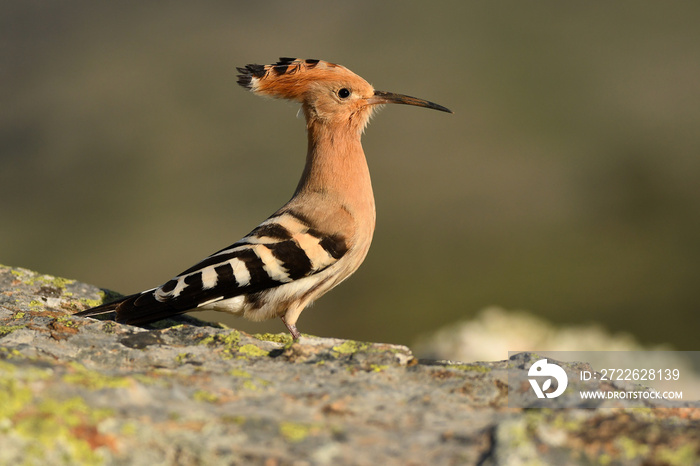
<point>344,93</point>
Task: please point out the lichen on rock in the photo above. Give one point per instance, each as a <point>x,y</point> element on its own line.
<point>83,391</point>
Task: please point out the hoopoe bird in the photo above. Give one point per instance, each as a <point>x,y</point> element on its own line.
<point>318,238</point>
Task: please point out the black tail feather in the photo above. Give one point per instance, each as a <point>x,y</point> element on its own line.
<point>136,309</point>
<point>102,309</point>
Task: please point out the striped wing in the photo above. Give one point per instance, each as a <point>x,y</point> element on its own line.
<point>282,249</point>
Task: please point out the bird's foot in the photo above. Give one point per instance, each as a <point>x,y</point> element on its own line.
<point>292,329</point>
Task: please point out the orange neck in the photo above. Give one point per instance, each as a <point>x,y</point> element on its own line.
<point>335,163</point>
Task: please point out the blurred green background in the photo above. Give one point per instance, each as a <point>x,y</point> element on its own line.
<point>566,182</point>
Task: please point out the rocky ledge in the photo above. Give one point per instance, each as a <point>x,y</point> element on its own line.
<point>82,391</point>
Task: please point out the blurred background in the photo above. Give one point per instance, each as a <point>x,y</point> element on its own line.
<point>565,184</point>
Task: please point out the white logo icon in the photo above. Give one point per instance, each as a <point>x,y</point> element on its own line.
<point>544,369</point>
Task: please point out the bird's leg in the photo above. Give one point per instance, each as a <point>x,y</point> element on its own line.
<point>292,329</point>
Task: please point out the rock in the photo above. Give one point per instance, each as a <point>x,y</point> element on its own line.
<point>83,391</point>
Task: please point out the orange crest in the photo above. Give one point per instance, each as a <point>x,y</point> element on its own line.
<point>291,78</point>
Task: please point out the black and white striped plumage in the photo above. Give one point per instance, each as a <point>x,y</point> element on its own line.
<point>281,262</point>
<point>318,239</point>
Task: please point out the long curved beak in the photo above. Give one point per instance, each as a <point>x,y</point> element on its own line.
<point>381,97</point>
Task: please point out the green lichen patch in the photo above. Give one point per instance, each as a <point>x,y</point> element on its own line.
<point>109,327</point>
<point>183,358</point>
<point>9,353</point>
<point>149,379</point>
<point>36,305</point>
<point>295,432</point>
<point>15,395</point>
<point>48,429</point>
<point>227,343</point>
<point>93,380</point>
<point>351,347</point>
<point>87,303</point>
<point>249,381</point>
<point>682,455</point>
<point>65,429</point>
<point>252,351</point>
<point>205,396</point>
<point>32,278</point>
<point>470,367</point>
<point>7,329</point>
<point>67,321</point>
<point>104,296</point>
<point>240,373</point>
<point>254,386</point>
<point>230,346</point>
<point>377,367</point>
<point>631,449</point>
<point>283,338</point>
<point>24,372</point>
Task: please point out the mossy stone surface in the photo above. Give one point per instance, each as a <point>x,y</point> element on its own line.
<point>83,391</point>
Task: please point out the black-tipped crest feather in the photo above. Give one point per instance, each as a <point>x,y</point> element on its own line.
<point>248,73</point>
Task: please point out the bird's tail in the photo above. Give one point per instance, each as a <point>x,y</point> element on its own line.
<point>104,309</point>
<point>136,309</point>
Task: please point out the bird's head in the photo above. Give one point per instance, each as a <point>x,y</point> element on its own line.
<point>329,93</point>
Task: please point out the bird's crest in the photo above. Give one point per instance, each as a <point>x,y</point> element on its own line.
<point>291,78</point>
